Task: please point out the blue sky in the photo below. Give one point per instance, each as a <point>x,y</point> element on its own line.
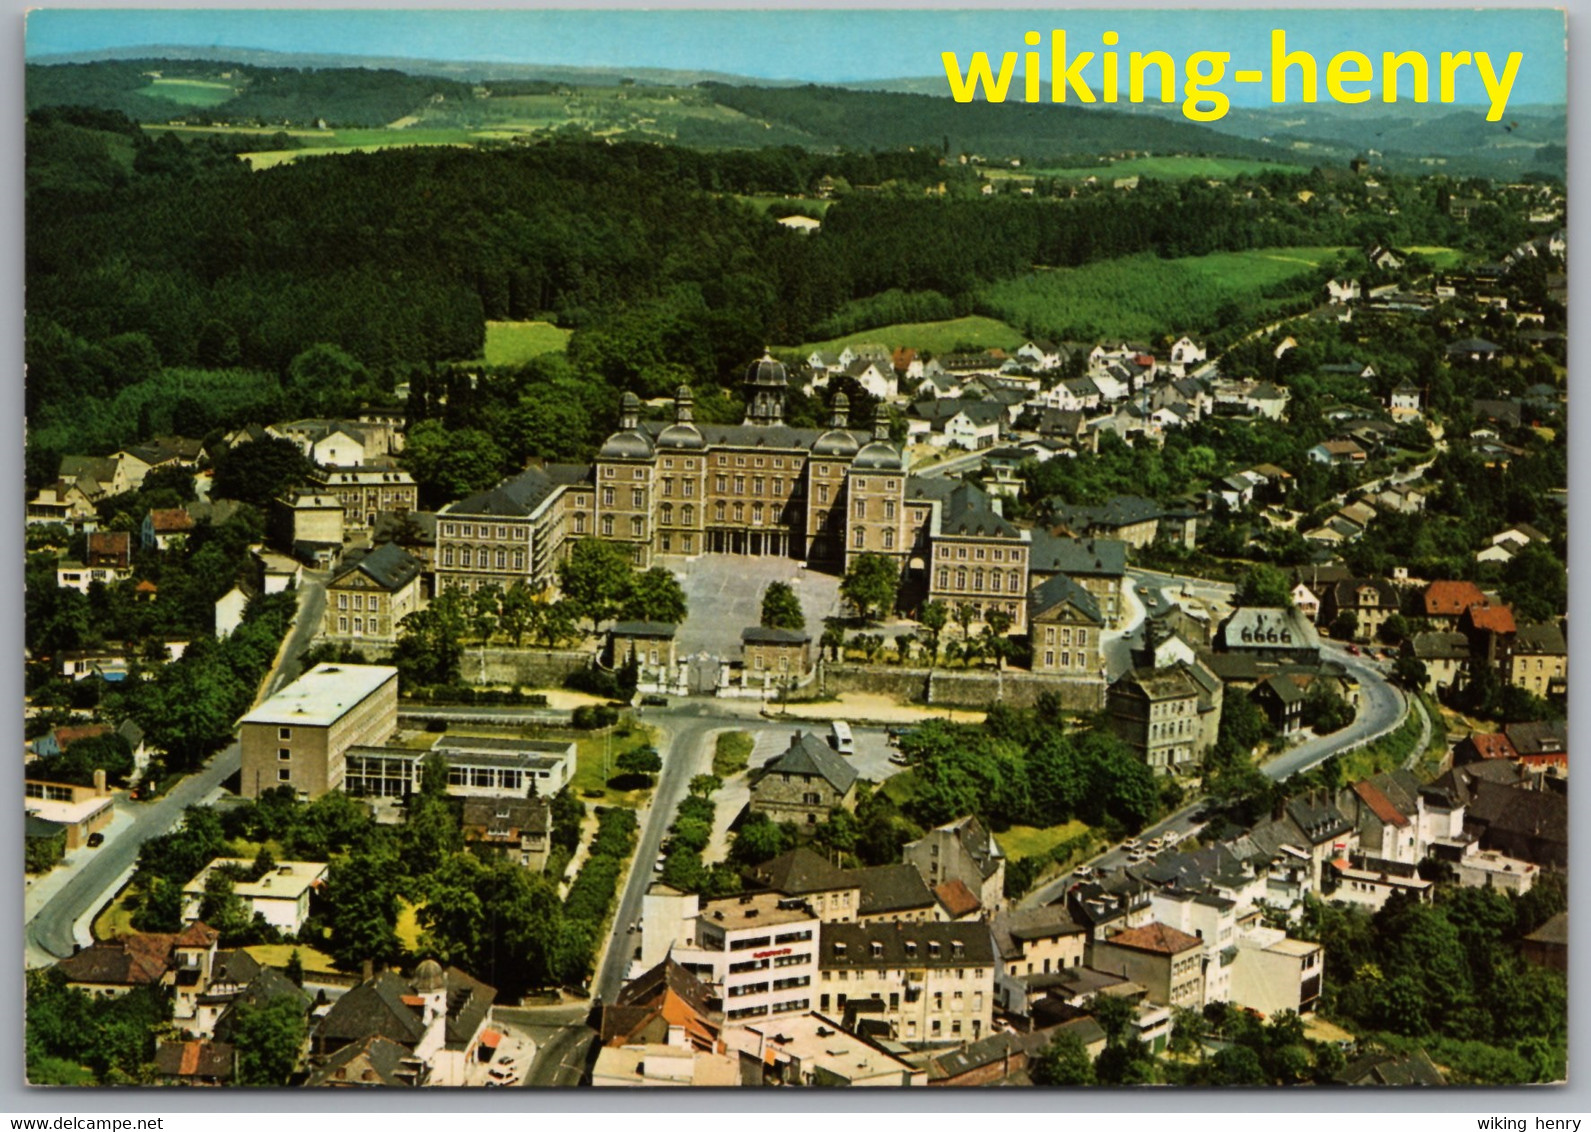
<point>824,46</point>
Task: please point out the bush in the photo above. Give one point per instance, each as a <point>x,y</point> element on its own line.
<point>594,717</point>
<point>594,682</point>
<point>732,753</point>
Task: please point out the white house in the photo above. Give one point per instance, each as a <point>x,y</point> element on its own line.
<point>229,609</point>
<point>281,895</point>
<point>1186,352</point>
<point>1342,290</point>
<point>1040,354</point>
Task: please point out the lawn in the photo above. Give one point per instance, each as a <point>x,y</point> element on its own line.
<point>1169,168</point>
<point>593,753</point>
<point>1026,841</point>
<point>408,927</point>
<point>974,331</point>
<point>1144,296</point>
<point>732,753</point>
<point>278,955</point>
<point>116,919</point>
<point>191,92</point>
<point>901,788</point>
<point>514,343</point>
<point>1439,257</point>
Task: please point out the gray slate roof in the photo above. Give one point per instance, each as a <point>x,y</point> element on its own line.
<point>1095,557</point>
<point>851,945</point>
<point>1061,590</point>
<point>891,888</point>
<point>808,754</point>
<point>388,565</point>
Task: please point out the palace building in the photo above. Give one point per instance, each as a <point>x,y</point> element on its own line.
<point>759,488</point>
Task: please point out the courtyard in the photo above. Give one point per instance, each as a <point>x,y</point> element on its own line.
<point>723,594</point>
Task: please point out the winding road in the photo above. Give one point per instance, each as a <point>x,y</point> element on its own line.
<point>53,931</point>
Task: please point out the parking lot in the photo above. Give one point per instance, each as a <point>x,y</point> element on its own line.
<point>723,594</point>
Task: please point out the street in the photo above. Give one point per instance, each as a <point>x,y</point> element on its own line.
<point>1381,709</point>
<point>51,932</point>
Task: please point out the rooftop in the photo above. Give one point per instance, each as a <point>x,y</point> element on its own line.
<point>322,695</point>
<point>761,909</point>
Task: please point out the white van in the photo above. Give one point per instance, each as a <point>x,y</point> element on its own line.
<point>840,737</point>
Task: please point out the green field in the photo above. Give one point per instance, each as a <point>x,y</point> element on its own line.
<point>515,343</point>
<point>1440,257</point>
<point>974,331</point>
<point>191,92</point>
<point>1026,841</point>
<point>789,206</point>
<point>1142,296</point>
<point>1169,168</point>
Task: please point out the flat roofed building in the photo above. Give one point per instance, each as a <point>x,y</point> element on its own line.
<point>810,1049</point>
<point>478,767</point>
<point>281,895</point>
<point>759,950</point>
<point>301,735</point>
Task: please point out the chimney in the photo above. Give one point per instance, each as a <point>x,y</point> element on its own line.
<point>99,782</point>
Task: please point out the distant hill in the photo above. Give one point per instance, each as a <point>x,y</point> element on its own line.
<point>883,120</point>
<point>711,109</point>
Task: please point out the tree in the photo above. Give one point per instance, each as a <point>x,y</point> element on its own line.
<point>451,464</point>
<point>294,969</point>
<point>321,380</point>
<point>362,908</point>
<point>933,617</point>
<point>641,760</point>
<point>269,1037</point>
<point>553,623</point>
<point>1324,710</point>
<point>1064,1061</point>
<point>870,585</point>
<point>596,578</point>
<point>1345,626</point>
<point>997,623</point>
<point>781,608</point>
<point>655,595</point>
<point>1410,672</point>
<point>965,614</point>
<point>257,471</point>
<point>1265,586</point>
<point>704,785</point>
<point>429,649</point>
<point>517,616</point>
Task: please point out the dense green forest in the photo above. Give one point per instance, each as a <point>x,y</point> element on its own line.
<point>172,289</point>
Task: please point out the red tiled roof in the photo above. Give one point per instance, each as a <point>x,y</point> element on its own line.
<point>146,587</point>
<point>1493,745</point>
<point>66,736</point>
<point>1449,599</point>
<point>1379,804</point>
<point>1156,937</point>
<point>1493,618</point>
<point>957,898</point>
<point>196,934</point>
<point>167,519</point>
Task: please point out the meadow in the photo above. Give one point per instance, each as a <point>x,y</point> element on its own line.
<point>515,343</point>
<point>972,332</point>
<point>191,92</point>
<point>1144,296</point>
<point>1169,168</point>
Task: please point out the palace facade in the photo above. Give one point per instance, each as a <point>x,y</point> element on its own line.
<point>759,488</point>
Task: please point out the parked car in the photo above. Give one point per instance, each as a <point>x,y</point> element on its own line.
<point>652,699</point>
<point>95,840</point>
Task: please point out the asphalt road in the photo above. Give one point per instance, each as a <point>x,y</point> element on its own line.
<point>686,754</point>
<point>562,1042</point>
<point>51,931</point>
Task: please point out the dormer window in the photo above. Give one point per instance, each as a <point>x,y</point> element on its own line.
<point>911,949</point>
<point>933,949</point>
<point>839,949</point>
<point>878,950</point>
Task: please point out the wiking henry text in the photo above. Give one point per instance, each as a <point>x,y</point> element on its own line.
<point>1348,77</point>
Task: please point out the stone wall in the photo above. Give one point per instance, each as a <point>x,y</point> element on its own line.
<point>529,668</point>
<point>958,687</point>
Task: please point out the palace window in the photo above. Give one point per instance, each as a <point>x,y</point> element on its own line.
<point>859,538</point>
<point>687,514</point>
<point>637,498</point>
<point>889,538</point>
<point>607,525</point>
<point>637,526</point>
<point>607,497</point>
